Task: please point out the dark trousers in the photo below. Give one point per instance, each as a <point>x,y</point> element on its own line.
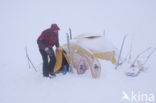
<point>48,67</point>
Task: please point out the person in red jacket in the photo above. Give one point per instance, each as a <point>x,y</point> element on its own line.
<point>46,41</point>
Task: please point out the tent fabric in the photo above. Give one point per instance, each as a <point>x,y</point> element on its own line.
<point>88,48</point>
<point>59,59</point>
<point>77,52</point>
<point>96,45</point>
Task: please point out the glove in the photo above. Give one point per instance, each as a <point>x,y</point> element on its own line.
<point>48,51</point>
<point>57,50</point>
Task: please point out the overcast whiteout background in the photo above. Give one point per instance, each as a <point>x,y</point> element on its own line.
<point>22,21</point>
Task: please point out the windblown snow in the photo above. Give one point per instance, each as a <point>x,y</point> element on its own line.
<point>21,23</point>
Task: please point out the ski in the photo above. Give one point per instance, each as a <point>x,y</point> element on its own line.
<point>29,60</point>
<point>70,32</point>
<point>69,52</point>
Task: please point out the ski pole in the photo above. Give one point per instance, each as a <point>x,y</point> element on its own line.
<point>29,61</point>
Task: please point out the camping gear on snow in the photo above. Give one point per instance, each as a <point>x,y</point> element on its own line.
<point>85,51</point>
<point>90,47</point>
<point>61,60</point>
<point>99,46</point>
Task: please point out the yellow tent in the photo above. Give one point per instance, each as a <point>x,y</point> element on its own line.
<point>90,47</point>
<point>59,59</point>
<point>85,46</point>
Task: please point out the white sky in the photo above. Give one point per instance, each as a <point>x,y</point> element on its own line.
<point>22,21</point>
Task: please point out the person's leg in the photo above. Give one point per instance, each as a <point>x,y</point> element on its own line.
<point>65,63</point>
<point>52,62</point>
<point>45,63</point>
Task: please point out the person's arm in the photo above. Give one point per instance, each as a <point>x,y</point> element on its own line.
<point>57,44</point>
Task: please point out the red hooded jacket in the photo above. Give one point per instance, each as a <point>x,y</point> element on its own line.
<point>49,37</point>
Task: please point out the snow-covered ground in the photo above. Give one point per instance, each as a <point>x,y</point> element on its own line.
<point>22,21</point>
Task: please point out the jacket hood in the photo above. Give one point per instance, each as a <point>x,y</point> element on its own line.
<point>54,27</point>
